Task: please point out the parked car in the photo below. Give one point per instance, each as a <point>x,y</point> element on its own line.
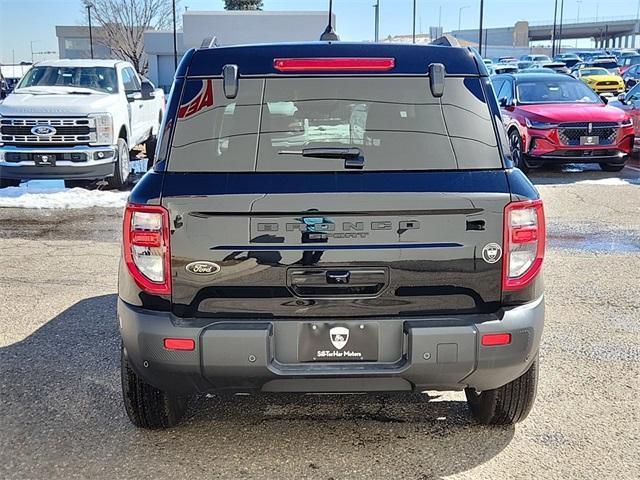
<point>498,68</point>
<point>537,69</point>
<point>523,65</point>
<point>627,62</point>
<point>4,87</point>
<point>630,103</point>
<point>559,67</point>
<point>535,58</point>
<point>600,80</point>
<point>632,76</point>
<point>487,61</point>
<point>507,59</point>
<point>77,120</point>
<point>558,119</point>
<point>569,59</point>
<point>275,247</point>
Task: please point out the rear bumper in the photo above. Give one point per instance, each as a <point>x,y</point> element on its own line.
<point>243,356</point>
<point>97,163</point>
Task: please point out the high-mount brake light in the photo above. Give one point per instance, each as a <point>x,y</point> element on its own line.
<point>524,243</point>
<point>338,64</point>
<point>146,247</point>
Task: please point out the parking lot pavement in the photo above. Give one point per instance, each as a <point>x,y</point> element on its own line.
<point>60,407</point>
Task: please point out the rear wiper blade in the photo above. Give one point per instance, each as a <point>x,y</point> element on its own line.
<point>353,156</point>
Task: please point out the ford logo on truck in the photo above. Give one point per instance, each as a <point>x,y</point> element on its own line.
<point>203,268</point>
<point>43,130</point>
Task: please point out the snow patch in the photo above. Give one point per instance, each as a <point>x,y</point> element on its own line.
<point>609,181</point>
<point>37,196</point>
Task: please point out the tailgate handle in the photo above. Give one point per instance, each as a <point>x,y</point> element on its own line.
<point>340,277</point>
<point>475,224</point>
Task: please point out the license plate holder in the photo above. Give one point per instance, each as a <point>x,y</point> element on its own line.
<point>590,140</point>
<point>338,342</point>
<point>44,159</point>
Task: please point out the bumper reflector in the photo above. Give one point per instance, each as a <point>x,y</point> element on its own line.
<point>494,339</point>
<point>179,344</point>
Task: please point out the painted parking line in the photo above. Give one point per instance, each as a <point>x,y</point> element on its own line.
<point>637,169</point>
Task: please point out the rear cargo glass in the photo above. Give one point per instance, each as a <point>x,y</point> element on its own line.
<point>395,122</point>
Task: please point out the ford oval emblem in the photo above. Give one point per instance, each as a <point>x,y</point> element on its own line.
<point>43,130</point>
<point>203,268</point>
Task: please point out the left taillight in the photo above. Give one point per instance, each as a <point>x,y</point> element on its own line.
<point>147,247</point>
<point>524,243</point>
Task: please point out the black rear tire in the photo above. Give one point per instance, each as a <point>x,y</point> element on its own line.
<point>517,155</point>
<point>150,149</point>
<point>508,404</point>
<point>611,167</point>
<point>147,406</point>
<point>9,182</point>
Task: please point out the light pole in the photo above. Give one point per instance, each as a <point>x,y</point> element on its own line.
<point>89,5</point>
<point>481,19</point>
<point>414,20</point>
<point>31,43</point>
<point>578,19</point>
<point>560,31</point>
<point>376,6</point>
<point>460,15</point>
<point>553,32</point>
<point>175,40</point>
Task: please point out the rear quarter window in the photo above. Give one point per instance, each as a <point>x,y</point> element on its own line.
<point>394,121</point>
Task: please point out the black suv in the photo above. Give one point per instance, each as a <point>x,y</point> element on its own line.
<point>331,217</point>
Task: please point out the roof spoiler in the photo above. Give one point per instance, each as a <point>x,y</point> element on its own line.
<point>446,40</point>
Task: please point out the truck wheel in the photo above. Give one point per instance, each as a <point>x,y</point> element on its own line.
<point>146,406</point>
<point>9,182</point>
<point>121,168</point>
<point>150,149</point>
<point>508,404</point>
<point>611,167</point>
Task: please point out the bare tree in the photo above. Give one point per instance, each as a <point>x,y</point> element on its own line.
<point>123,22</point>
<point>243,4</point>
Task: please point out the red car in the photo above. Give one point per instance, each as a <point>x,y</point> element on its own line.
<point>558,119</point>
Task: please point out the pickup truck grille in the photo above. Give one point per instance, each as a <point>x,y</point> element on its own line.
<point>570,133</point>
<point>64,130</point>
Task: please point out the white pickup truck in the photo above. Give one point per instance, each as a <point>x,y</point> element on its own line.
<point>77,120</point>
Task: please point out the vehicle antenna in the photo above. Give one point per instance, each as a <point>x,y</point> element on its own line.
<point>329,34</point>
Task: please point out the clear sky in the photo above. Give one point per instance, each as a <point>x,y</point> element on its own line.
<point>24,21</point>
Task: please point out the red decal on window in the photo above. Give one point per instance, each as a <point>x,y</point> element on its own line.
<point>203,99</point>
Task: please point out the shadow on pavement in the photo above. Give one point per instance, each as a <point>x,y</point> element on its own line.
<point>62,417</point>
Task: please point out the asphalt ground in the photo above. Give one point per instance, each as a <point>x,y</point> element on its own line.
<point>61,414</point>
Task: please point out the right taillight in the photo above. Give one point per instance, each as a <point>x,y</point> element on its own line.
<point>146,247</point>
<point>524,243</point>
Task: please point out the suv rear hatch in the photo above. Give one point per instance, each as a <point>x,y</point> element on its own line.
<point>335,194</point>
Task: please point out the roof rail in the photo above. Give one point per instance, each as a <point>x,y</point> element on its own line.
<point>446,40</point>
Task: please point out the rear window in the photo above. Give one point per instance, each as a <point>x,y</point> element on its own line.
<point>394,121</point>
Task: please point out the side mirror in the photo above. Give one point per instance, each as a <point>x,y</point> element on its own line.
<point>230,80</point>
<point>621,98</point>
<point>436,79</point>
<point>133,96</point>
<point>604,98</point>
<point>147,91</point>
<point>503,102</point>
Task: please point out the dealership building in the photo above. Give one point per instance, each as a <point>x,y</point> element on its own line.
<point>200,28</point>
